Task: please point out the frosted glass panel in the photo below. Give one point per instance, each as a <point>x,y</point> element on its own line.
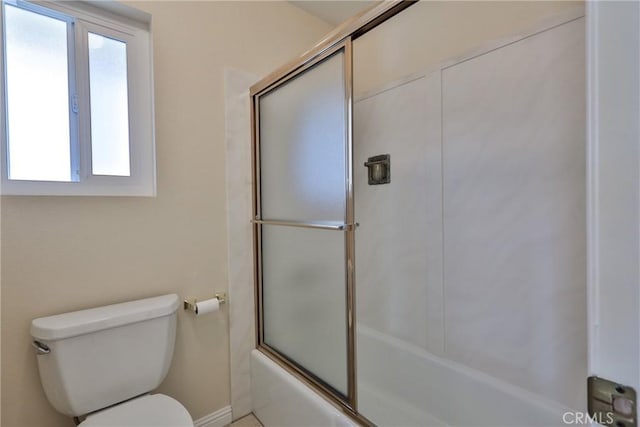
<point>514,216</point>
<point>470,264</point>
<point>109,106</point>
<point>302,146</point>
<point>37,96</point>
<point>304,299</point>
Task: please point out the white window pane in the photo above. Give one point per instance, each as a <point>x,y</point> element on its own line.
<point>109,106</point>
<point>37,96</point>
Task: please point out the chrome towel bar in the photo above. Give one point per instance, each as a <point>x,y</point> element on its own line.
<point>316,225</point>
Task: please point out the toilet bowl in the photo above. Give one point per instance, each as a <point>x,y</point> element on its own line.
<point>155,410</point>
<point>103,362</point>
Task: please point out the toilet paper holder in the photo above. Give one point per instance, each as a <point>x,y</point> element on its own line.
<point>190,304</point>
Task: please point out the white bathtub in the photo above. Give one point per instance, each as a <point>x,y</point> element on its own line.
<point>427,391</point>
<point>281,400</point>
<point>431,391</point>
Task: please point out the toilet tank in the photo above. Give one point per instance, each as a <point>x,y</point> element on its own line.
<point>105,355</point>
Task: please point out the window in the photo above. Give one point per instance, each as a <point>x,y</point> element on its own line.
<point>77,94</point>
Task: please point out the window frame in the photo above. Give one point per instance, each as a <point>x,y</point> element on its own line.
<point>119,22</point>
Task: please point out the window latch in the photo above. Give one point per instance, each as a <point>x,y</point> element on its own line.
<point>74,104</point>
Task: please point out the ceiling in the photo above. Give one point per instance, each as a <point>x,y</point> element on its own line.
<point>334,12</point>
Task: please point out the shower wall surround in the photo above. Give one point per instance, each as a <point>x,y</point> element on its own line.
<point>399,241</point>
<point>514,213</point>
<point>240,237</point>
<point>470,264</point>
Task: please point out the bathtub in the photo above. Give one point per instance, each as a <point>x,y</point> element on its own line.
<point>281,400</point>
<point>432,391</point>
<point>427,391</point>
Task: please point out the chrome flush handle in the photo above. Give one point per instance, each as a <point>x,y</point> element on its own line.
<point>41,348</point>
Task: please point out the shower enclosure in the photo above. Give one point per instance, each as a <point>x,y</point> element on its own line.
<point>419,214</point>
<point>304,221</point>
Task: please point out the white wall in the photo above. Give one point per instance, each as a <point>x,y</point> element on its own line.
<point>66,253</point>
<point>430,32</point>
<point>614,205</point>
<point>513,142</point>
<point>476,250</point>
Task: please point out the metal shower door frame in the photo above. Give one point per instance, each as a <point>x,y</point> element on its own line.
<point>343,47</point>
<point>339,40</point>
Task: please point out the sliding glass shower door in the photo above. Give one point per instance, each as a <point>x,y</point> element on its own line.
<point>301,216</point>
<point>471,252</point>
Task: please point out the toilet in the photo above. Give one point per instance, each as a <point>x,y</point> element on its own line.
<point>102,363</point>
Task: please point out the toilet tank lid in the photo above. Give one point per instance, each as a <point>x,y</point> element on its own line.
<point>82,322</point>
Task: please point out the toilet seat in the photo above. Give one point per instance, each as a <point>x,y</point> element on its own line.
<point>146,411</point>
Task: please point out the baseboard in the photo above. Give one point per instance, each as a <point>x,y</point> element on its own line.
<point>219,418</point>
